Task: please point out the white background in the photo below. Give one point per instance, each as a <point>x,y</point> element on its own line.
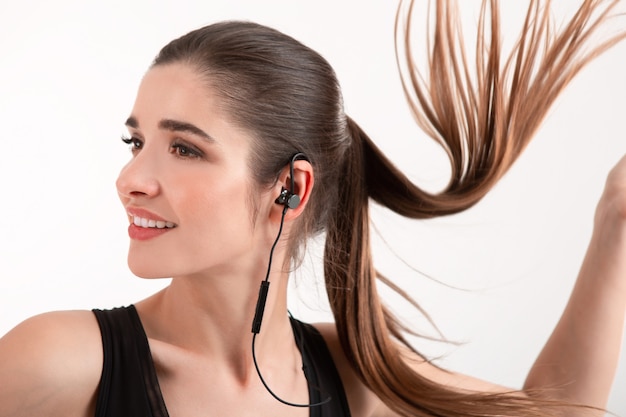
<point>68,74</point>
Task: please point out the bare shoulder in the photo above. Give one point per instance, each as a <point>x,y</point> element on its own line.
<point>364,403</point>
<point>50,365</point>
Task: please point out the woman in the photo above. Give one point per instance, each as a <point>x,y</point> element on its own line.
<point>241,152</point>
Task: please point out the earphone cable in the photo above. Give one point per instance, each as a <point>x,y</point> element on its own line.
<point>258,318</point>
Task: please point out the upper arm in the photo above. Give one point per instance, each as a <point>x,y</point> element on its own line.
<point>453,380</point>
<point>364,402</point>
<point>50,365</point>
<point>446,379</point>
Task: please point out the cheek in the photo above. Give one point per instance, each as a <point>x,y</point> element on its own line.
<point>221,208</point>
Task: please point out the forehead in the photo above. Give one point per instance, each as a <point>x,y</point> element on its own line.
<point>175,89</point>
<point>178,92</point>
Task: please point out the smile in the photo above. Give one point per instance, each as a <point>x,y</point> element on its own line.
<point>150,223</point>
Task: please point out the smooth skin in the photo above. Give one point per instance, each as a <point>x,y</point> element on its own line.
<point>189,167</point>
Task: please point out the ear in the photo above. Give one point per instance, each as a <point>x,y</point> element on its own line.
<point>303,180</point>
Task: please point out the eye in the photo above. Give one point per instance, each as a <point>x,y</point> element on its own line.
<point>186,151</point>
<point>134,143</point>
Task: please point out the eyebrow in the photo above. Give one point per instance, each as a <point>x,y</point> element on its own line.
<point>174,126</point>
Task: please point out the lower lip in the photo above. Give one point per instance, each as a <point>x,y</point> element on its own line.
<point>145,233</point>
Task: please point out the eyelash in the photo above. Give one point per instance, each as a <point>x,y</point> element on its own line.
<point>134,144</point>
<point>179,149</point>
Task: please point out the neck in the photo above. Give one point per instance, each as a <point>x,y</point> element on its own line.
<point>212,316</point>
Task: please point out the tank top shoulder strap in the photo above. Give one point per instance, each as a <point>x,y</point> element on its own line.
<point>322,375</point>
<point>128,385</point>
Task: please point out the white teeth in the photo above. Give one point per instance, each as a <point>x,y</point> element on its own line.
<point>159,224</point>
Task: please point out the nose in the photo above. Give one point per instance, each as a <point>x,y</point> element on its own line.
<point>137,178</point>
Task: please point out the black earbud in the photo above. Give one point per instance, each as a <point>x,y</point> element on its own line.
<point>287,197</point>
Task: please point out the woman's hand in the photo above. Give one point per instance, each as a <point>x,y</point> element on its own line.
<point>579,360</point>
<point>610,218</point>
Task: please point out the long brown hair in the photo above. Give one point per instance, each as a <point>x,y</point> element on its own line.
<point>483,124</point>
<point>287,97</point>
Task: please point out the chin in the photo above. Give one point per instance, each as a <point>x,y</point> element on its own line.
<point>145,270</point>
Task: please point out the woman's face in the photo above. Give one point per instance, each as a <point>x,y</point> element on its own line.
<point>187,188</point>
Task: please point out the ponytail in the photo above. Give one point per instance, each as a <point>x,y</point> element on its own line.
<point>369,333</point>
<point>483,127</point>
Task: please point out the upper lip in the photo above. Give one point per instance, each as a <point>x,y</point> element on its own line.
<point>144,214</point>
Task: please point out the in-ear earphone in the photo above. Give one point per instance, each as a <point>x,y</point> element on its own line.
<point>290,200</point>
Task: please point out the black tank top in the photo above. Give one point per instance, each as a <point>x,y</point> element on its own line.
<point>129,385</point>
